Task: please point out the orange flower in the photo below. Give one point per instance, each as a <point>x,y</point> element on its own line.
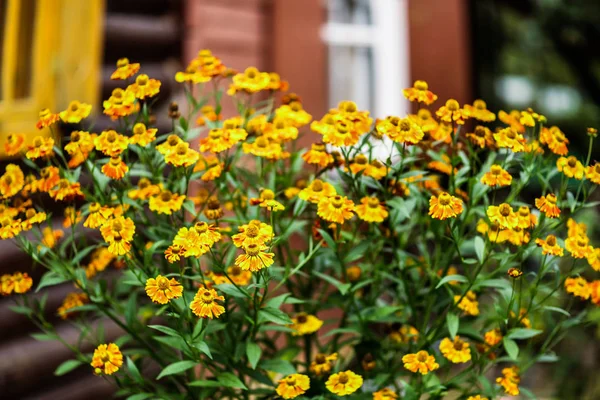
<point>121,103</point>
<point>15,142</point>
<point>468,304</point>
<point>510,380</point>
<point>400,130</point>
<point>40,147</point>
<point>161,290</point>
<point>547,205</point>
<point>12,181</point>
<point>445,206</point>
<point>107,359</point>
<point>219,140</point>
<point>250,81</point>
<point>555,139</point>
<point>72,217</point>
<point>318,155</point>
<point>344,133</point>
<point>578,246</point>
<point>371,210</point>
<point>254,232</point>
<point>125,69</point>
<point>144,87</point>
<point>420,362</point>
<point>497,176</point>
<point>75,112</point>
<point>579,287</point>
<point>115,168</point>
<point>592,173</point>
<point>111,143</point>
<point>526,218</point>
<point>479,111</point>
<point>451,112</point>
<point>595,292</point>
<point>72,300</point>
<point>205,303</point>
<point>335,209</point>
<point>144,190</point>
<point>46,119</point>
<point>550,246</point>
<point>263,147</point>
<point>293,386</point>
<point>21,282</point>
<point>420,93</point>
<point>66,191</point>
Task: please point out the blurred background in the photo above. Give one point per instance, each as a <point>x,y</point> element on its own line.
<point>512,53</point>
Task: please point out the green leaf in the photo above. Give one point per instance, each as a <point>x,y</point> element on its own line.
<point>274,315</point>
<point>203,347</point>
<point>141,396</point>
<point>67,367</point>
<point>479,246</point>
<point>357,252</point>
<point>342,287</point>
<point>135,372</point>
<point>328,239</point>
<point>205,383</point>
<point>453,322</point>
<point>43,337</point>
<point>233,291</point>
<point>228,379</point>
<point>558,310</point>
<point>511,347</point>
<point>450,278</point>
<point>165,329</point>
<point>176,368</point>
<point>21,310</point>
<point>523,333</point>
<point>253,352</point>
<point>280,366</point>
<point>50,278</point>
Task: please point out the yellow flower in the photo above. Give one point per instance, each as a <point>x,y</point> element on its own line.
<point>118,232</point>
<point>142,136</point>
<point>451,112</point>
<point>318,155</point>
<point>121,103</point>
<point>550,246</point>
<point>497,176</point>
<point>161,289</point>
<point>72,217</point>
<point>400,130</point>
<point>510,380</point>
<point>593,258</point>
<point>111,143</point>
<point>595,289</point>
<point>425,120</point>
<point>255,258</point>
<point>255,232</point>
<point>492,337</point>
<point>477,397</point>
<point>511,139</point>
<point>578,246</point>
<point>50,237</point>
<point>97,216</point>
<point>344,383</point>
<point>144,87</point>
<point>46,119</point>
<point>323,364</point>
<point>343,133</point>
<point>219,140</point>
<point>316,191</point>
<point>15,142</point>
<point>166,202</point>
<point>115,168</point>
<point>125,69</point>
<point>66,191</point>
<point>238,275</point>
<point>479,111</point>
<point>468,304</point>
<point>263,147</point>
<point>526,218</point>
<point>295,113</point>
<point>80,142</point>
<point>197,239</point>
<point>144,190</point>
<point>174,253</point>
<point>385,394</point>
<point>547,205</point>
<point>12,181</point>
<point>75,112</point>
<point>250,81</point>
<point>205,303</point>
<point>202,69</point>
<point>420,362</point>
<point>305,324</point>
<point>169,145</point>
<point>335,209</point>
<point>445,206</point>
<point>481,137</point>
<point>555,139</point>
<point>592,173</point>
<point>457,350</point>
<point>503,215</point>
<point>182,156</point>
<point>280,130</point>
<point>40,147</point>
<point>405,334</point>
<point>371,210</point>
<point>107,359</point>
<point>71,301</point>
<point>571,167</point>
<point>293,386</point>
<point>32,217</point>
<point>420,93</point>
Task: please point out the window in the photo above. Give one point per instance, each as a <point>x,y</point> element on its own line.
<point>49,55</point>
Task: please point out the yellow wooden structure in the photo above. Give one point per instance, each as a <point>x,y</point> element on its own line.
<point>50,54</point>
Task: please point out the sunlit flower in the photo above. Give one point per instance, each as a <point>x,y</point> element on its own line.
<point>295,113</point>
<point>497,176</point>
<point>344,133</point>
<point>400,130</point>
<point>578,246</point>
<point>144,190</point>
<point>250,81</point>
<point>12,181</point>
<point>70,302</point>
<point>457,350</point>
<point>293,386</point>
<point>510,380</point>
<point>161,289</point>
<point>40,147</point>
<point>318,155</point>
<point>511,139</point>
<point>555,139</point>
<point>118,232</point>
<point>526,218</point>
<point>503,215</point>
<point>121,103</point>
<point>47,119</point>
<point>238,276</point>
<point>66,191</point>
<point>221,139</point>
<point>420,93</point>
<point>469,303</point>
<point>305,324</point>
<point>254,258</point>
<point>493,337</point>
<point>75,112</point>
<point>385,394</point>
<point>255,232</point>
<point>335,209</point>
<point>592,173</point>
<point>425,120</point>
<point>15,142</point>
<point>371,210</point>
<point>111,143</point>
<point>593,258</point>
<point>547,205</point>
<point>182,156</point>
<point>142,136</point>
<point>115,168</point>
<point>420,362</point>
<point>479,111</point>
<point>205,303</point>
<point>125,69</point>
<point>166,202</point>
<point>344,383</point>
<point>323,364</point>
<point>482,137</point>
<point>98,215</point>
<point>280,130</point>
<point>445,206</point>
<point>265,148</point>
<point>107,359</point>
<point>550,246</point>
<point>571,167</point>
<point>451,112</point>
<point>144,87</point>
